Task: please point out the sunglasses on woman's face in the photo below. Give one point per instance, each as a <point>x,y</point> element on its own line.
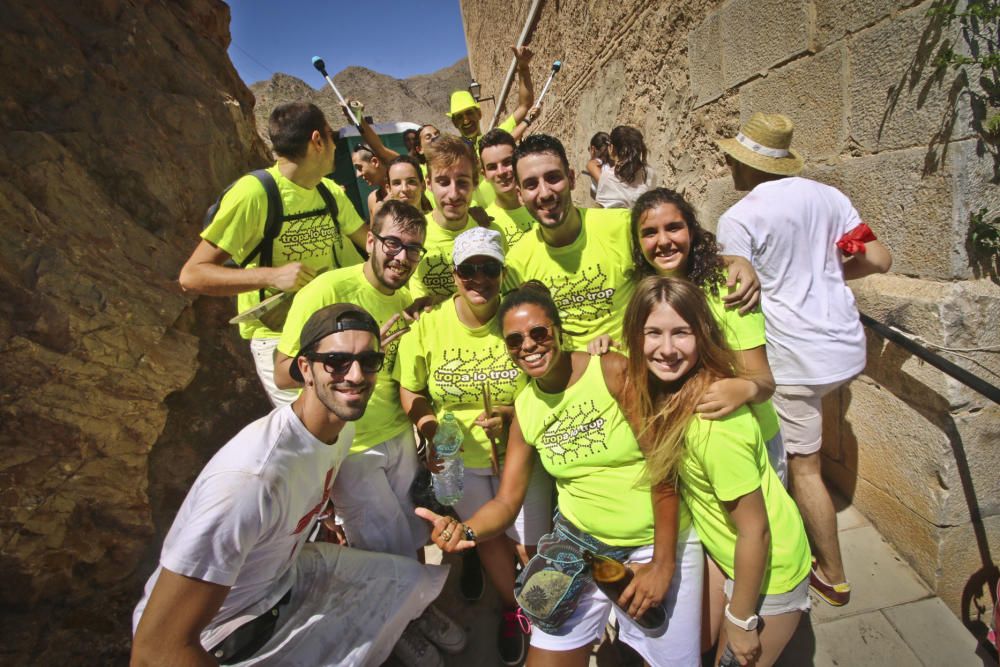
<point>539,334</point>
<point>468,270</point>
<point>340,363</point>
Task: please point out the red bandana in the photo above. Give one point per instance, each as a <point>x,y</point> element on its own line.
<point>854,241</point>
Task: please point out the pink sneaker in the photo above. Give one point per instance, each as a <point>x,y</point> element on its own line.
<point>512,641</point>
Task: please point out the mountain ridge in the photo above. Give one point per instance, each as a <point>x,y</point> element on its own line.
<point>422,98</point>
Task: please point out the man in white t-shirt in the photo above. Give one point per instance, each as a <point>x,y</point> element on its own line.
<point>797,233</point>
<point>237,581</point>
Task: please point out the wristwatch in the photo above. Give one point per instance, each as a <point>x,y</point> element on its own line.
<point>747,624</point>
<point>468,533</point>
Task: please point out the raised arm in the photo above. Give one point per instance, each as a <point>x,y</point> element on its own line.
<point>522,127</point>
<point>525,89</point>
<point>379,150</point>
<point>204,273</point>
<point>169,632</point>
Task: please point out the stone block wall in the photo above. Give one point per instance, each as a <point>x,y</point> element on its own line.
<point>913,449</point>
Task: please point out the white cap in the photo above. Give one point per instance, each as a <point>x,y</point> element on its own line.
<point>478,241</point>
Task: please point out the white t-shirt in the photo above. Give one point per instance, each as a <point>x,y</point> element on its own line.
<point>788,229</point>
<point>613,193</point>
<point>247,515</point>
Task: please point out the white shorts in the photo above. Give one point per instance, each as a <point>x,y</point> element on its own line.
<point>340,593</point>
<point>679,646</point>
<point>263,350</point>
<point>800,408</point>
<point>371,496</point>
<point>535,518</point>
<point>773,604</point>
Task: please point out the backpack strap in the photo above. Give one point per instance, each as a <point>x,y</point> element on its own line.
<point>331,204</point>
<point>274,205</point>
<point>272,224</point>
<point>334,210</point>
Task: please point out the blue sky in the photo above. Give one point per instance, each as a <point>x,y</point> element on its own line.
<point>392,37</point>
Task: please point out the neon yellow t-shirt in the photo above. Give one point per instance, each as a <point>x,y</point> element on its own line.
<point>384,417</point>
<point>485,194</point>
<point>452,361</point>
<point>726,459</point>
<point>588,447</point>
<point>309,237</point>
<point>590,279</point>
<point>744,332</point>
<point>515,222</point>
<point>433,273</point>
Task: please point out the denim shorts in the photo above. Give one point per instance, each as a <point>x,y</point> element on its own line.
<point>773,604</point>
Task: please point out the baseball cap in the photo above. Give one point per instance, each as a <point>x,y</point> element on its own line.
<point>332,319</point>
<point>475,242</point>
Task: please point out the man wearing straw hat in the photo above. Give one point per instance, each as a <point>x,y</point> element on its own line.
<point>805,239</point>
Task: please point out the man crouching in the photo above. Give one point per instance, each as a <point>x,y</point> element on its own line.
<point>237,581</point>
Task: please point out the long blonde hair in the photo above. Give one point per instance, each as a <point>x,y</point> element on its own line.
<point>661,412</point>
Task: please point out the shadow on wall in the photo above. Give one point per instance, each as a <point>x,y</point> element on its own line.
<point>886,367</point>
<point>969,65</point>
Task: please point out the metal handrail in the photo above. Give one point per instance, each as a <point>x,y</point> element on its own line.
<point>949,368</point>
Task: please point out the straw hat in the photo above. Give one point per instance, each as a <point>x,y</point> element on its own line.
<point>460,101</point>
<point>764,143</point>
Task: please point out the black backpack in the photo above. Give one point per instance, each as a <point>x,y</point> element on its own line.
<point>275,218</point>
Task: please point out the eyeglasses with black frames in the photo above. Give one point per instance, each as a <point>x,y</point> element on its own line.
<point>392,247</point>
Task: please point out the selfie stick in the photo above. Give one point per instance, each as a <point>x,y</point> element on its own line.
<point>321,67</point>
<point>555,68</point>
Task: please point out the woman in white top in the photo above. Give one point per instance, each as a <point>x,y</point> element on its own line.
<point>631,176</point>
<point>599,160</point>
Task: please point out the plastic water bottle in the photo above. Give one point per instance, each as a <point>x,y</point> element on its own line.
<point>447,442</point>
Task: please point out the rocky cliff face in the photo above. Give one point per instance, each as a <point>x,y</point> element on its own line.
<point>418,99</point>
<point>122,120</point>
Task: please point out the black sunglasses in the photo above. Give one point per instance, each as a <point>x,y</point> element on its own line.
<point>467,270</point>
<point>539,334</point>
<point>393,246</point>
<point>340,363</point>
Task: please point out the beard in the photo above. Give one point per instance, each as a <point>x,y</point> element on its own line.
<point>341,406</point>
<point>392,279</point>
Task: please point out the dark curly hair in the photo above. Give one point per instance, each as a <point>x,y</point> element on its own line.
<point>705,267</point>
<point>630,154</point>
